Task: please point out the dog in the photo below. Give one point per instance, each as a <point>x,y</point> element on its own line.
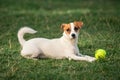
<point>58,48</point>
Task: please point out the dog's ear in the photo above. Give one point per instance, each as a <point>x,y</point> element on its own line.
<point>78,24</point>
<point>62,26</point>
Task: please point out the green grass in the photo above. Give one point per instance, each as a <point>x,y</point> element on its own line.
<point>101,30</point>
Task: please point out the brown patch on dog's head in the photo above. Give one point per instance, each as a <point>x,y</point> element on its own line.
<point>78,24</point>
<point>66,28</point>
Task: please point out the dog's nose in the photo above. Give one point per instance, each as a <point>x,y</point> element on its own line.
<point>73,35</point>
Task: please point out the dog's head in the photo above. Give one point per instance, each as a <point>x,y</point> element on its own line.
<point>71,30</point>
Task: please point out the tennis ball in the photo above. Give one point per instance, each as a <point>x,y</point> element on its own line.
<point>100,54</point>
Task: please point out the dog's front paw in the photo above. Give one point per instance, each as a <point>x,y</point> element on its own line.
<point>90,59</point>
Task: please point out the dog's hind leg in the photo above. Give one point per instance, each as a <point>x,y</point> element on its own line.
<point>31,53</point>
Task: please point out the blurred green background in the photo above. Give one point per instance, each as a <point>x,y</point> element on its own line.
<point>101,29</point>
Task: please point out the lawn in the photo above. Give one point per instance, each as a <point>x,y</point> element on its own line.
<point>101,30</point>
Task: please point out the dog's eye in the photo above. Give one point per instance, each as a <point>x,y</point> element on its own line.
<point>68,30</point>
<point>75,28</point>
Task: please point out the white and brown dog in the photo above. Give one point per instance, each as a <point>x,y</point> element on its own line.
<point>59,48</point>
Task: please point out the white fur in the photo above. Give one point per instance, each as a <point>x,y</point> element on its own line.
<point>59,48</point>
<point>72,30</point>
<point>21,33</point>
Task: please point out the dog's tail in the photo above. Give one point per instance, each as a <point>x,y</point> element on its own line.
<point>21,33</point>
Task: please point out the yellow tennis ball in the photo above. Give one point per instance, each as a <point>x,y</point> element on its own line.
<point>100,54</point>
